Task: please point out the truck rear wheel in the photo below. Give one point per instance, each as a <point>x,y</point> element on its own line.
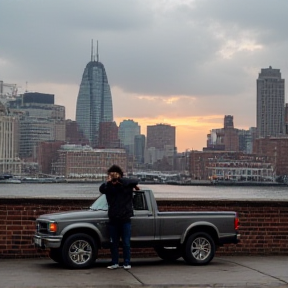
<point>168,253</point>
<point>199,249</point>
<point>79,251</point>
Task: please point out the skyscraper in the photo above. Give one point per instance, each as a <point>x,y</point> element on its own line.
<point>94,102</point>
<point>128,129</point>
<point>270,103</point>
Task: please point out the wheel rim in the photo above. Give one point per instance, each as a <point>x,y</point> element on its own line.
<point>80,252</point>
<point>200,248</point>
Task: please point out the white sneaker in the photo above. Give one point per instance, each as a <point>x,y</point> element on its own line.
<point>127,267</point>
<point>114,266</point>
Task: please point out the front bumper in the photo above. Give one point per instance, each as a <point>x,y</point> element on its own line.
<point>41,241</point>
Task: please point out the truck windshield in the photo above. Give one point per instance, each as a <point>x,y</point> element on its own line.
<point>100,203</point>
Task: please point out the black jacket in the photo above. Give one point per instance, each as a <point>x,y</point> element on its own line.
<point>120,199</point>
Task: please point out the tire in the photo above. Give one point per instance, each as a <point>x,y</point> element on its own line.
<point>56,255</point>
<point>79,251</point>
<point>199,249</point>
<point>168,253</point>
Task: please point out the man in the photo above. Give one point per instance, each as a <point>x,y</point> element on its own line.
<point>119,194</point>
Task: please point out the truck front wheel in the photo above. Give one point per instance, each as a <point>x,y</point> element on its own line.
<point>79,251</point>
<point>199,249</point>
<point>56,255</point>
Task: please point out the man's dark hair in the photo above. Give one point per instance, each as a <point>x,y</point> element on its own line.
<point>115,168</point>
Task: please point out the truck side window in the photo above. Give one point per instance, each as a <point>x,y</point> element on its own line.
<point>139,201</point>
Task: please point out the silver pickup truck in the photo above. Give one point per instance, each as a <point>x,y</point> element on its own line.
<point>74,237</point>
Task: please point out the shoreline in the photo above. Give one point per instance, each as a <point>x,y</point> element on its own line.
<point>228,183</point>
<point>175,183</point>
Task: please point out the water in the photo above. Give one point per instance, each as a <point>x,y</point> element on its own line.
<point>91,190</point>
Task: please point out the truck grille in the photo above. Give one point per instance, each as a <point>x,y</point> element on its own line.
<point>41,227</point>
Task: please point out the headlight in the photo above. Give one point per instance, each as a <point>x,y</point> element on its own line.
<point>52,226</point>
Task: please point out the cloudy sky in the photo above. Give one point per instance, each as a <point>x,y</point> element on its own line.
<point>186,63</point>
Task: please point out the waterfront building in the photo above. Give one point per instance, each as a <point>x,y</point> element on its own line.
<point>108,135</point>
<point>10,162</point>
<point>76,161</point>
<point>270,103</point>
<point>94,102</point>
<point>128,129</point>
<point>231,166</point>
<point>277,149</point>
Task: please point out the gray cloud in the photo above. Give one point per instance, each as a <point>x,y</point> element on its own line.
<point>152,47</point>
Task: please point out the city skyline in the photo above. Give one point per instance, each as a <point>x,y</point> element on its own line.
<point>183,63</point>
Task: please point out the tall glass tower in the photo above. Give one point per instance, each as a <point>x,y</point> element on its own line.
<point>94,102</point>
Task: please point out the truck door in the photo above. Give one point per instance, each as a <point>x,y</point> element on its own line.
<point>142,223</point>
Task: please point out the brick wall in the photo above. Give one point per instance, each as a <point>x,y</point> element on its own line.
<point>263,224</point>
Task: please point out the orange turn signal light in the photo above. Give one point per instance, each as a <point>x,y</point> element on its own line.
<point>53,227</point>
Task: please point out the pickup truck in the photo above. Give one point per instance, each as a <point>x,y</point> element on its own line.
<point>74,237</point>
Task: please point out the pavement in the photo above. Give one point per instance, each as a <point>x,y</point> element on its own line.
<point>230,271</point>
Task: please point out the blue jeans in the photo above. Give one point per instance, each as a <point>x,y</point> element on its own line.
<point>117,231</point>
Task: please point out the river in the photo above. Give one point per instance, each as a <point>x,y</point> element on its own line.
<point>90,190</point>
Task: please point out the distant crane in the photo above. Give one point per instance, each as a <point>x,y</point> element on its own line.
<point>12,87</point>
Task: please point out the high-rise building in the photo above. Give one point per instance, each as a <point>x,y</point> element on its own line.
<point>128,129</point>
<point>270,103</point>
<point>94,102</point>
<point>33,131</point>
<point>39,120</point>
<point>139,148</point>
<point>161,146</point>
<point>160,135</point>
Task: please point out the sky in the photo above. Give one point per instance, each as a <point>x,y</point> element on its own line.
<point>186,63</point>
